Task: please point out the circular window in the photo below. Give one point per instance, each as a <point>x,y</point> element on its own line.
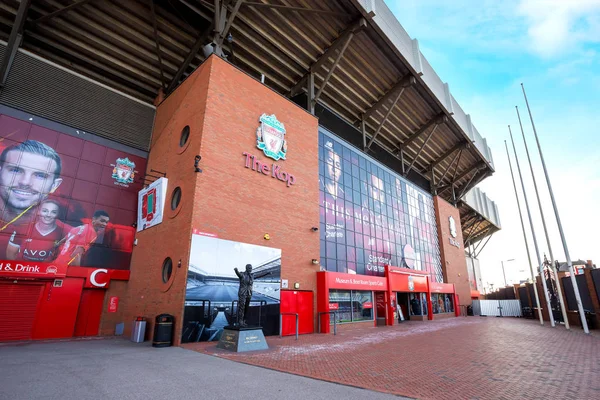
<point>185,135</point>
<point>176,198</point>
<point>167,269</point>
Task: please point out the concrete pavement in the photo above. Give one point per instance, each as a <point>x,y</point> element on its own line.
<point>119,369</point>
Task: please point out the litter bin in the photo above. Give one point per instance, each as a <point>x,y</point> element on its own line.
<point>163,331</point>
<point>138,331</point>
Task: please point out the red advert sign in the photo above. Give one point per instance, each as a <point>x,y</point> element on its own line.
<point>334,306</point>
<point>368,304</point>
<point>31,269</point>
<point>113,304</point>
<point>437,287</point>
<point>339,280</point>
<point>403,282</point>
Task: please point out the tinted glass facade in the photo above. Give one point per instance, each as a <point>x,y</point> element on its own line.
<point>371,216</point>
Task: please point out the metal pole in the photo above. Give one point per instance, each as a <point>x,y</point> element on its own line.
<point>560,228</point>
<point>503,274</point>
<point>537,193</point>
<point>535,244</point>
<point>537,297</point>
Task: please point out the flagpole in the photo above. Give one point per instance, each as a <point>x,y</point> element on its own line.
<point>537,193</point>
<point>560,228</point>
<point>537,297</point>
<point>535,244</point>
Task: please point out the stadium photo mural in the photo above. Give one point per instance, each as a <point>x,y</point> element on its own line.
<point>371,216</point>
<point>211,298</point>
<point>65,200</point>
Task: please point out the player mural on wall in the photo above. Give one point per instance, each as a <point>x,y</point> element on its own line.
<point>53,211</point>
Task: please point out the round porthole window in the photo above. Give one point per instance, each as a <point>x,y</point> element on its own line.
<point>167,269</point>
<point>185,135</point>
<point>176,198</point>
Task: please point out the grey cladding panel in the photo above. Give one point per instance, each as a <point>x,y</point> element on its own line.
<point>42,89</point>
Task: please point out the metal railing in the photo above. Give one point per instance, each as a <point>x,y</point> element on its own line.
<point>281,323</point>
<point>334,320</point>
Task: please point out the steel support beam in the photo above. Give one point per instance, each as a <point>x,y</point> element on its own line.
<point>14,41</point>
<point>473,230</point>
<point>296,9</point>
<point>220,35</point>
<point>156,41</point>
<point>403,83</point>
<point>473,182</point>
<point>333,67</point>
<point>310,95</point>
<point>438,119</point>
<point>363,129</point>
<point>59,12</point>
<point>485,244</point>
<point>337,43</point>
<point>459,146</point>
<point>421,149</point>
<point>385,118</point>
<point>191,55</point>
<point>457,156</point>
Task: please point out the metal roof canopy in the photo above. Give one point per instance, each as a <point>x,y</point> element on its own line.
<point>351,56</point>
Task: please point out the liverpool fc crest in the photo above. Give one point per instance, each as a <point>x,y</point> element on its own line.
<point>270,137</point>
<point>123,171</point>
<point>452,226</point>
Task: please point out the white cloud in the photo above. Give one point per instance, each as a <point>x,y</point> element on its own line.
<point>557,26</point>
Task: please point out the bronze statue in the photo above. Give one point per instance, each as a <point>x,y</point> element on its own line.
<point>245,292</point>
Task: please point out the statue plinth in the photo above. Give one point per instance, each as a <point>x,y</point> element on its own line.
<point>242,338</point>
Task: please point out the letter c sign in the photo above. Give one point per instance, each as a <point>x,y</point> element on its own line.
<point>93,277</point>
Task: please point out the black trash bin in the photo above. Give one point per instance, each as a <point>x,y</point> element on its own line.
<point>163,331</point>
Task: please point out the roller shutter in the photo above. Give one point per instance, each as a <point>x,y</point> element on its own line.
<point>18,305</point>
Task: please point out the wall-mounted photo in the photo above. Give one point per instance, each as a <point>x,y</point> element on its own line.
<point>213,288</point>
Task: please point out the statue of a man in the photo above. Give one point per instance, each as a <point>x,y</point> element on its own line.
<point>245,292</point>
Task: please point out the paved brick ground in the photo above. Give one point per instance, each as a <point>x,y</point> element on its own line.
<point>458,358</point>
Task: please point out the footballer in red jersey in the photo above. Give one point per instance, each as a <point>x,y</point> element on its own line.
<point>43,237</point>
<point>80,238</point>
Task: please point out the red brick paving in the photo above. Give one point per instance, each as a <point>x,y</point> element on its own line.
<point>458,358</point>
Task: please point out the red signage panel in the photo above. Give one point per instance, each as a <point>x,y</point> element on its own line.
<point>31,269</point>
<point>113,304</point>
<point>403,282</point>
<point>338,280</point>
<point>437,287</point>
<point>368,304</point>
<point>334,306</point>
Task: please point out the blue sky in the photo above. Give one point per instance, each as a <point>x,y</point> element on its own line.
<point>484,49</point>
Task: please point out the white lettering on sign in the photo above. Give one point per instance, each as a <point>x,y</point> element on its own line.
<point>93,280</point>
<point>19,268</point>
<point>354,281</point>
<point>454,242</point>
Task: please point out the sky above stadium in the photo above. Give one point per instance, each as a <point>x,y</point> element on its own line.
<point>484,49</point>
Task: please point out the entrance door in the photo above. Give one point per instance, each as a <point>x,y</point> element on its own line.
<point>295,301</point>
<point>89,312</point>
<point>18,306</point>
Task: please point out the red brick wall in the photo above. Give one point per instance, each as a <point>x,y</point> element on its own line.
<point>454,262</point>
<point>222,105</point>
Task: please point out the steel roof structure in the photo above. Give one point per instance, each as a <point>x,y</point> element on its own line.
<point>350,56</point>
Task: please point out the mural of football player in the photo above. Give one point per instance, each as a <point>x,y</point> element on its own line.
<point>43,237</point>
<point>79,239</point>
<point>29,171</point>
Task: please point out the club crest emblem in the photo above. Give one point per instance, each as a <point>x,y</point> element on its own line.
<point>270,137</point>
<point>452,226</point>
<point>411,283</point>
<point>123,171</point>
<point>51,270</point>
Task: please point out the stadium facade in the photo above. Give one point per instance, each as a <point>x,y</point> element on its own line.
<point>142,162</point>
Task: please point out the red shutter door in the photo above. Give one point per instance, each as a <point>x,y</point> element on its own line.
<point>18,305</point>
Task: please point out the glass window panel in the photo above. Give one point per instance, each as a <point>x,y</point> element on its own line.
<point>362,305</point>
